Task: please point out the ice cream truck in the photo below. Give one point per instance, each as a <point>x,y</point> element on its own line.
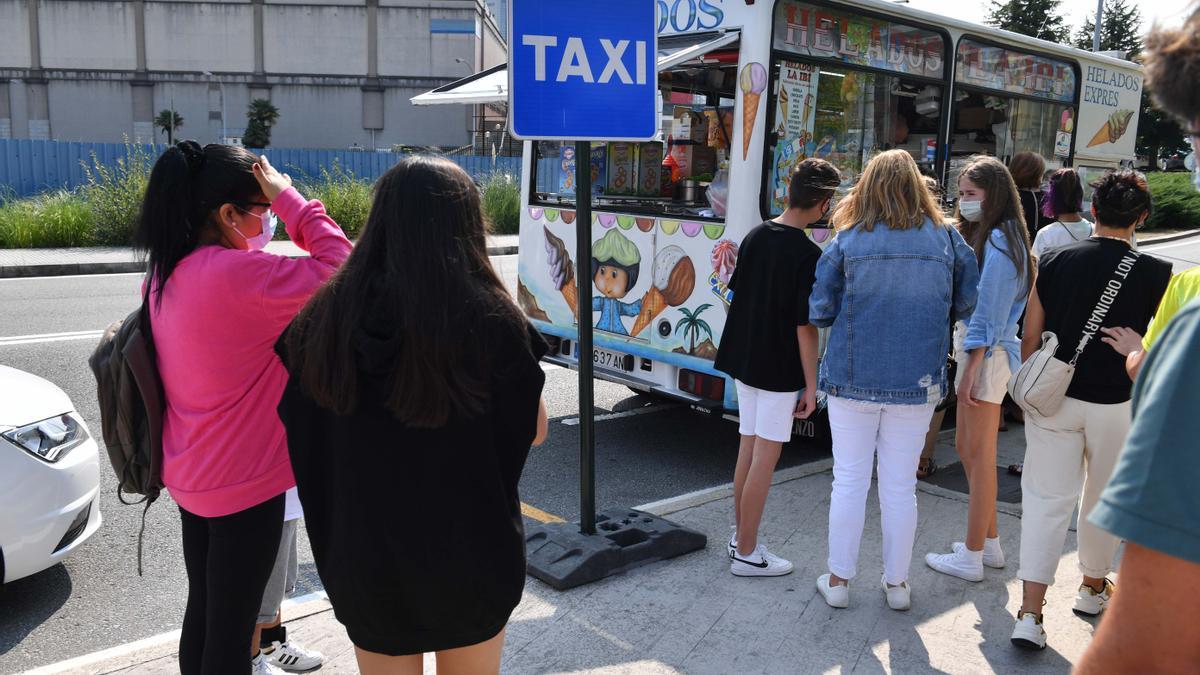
<point>749,89</point>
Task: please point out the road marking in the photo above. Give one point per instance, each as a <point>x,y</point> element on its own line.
<point>52,277</point>
<point>1186,242</point>
<point>574,421</point>
<point>539,515</point>
<point>50,337</point>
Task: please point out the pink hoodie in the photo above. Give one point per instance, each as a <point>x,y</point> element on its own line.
<point>222,310</point>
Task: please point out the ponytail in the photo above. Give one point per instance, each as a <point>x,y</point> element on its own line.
<point>187,184</point>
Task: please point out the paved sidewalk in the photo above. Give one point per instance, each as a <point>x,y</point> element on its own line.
<point>689,615</point>
<point>44,262</point>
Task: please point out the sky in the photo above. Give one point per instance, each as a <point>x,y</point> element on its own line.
<point>1077,11</point>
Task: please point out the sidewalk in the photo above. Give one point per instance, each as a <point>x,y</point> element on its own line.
<point>50,262</point>
<point>689,615</point>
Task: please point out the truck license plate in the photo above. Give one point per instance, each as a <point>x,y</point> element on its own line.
<point>603,358</point>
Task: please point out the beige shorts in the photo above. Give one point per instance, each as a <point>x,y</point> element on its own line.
<point>991,383</point>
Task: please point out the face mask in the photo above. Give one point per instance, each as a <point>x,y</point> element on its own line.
<point>260,241</point>
<point>972,211</point>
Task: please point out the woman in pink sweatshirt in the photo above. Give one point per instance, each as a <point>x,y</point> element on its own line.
<point>218,302</point>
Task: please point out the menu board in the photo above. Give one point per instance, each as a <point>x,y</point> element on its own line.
<point>825,33</point>
<point>1015,72</point>
<point>795,121</point>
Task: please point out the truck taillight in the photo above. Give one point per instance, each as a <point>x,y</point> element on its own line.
<point>707,387</point>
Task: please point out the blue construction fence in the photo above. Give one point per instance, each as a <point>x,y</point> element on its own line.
<point>29,167</point>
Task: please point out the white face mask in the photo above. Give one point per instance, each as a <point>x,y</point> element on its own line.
<point>971,210</point>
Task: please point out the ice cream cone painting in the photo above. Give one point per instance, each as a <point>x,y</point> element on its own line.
<point>724,260</point>
<point>783,110</point>
<point>562,271</point>
<point>752,82</point>
<point>1113,128</point>
<point>673,283</point>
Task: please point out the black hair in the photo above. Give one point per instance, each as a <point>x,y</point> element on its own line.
<point>631,270</point>
<point>813,181</point>
<point>1064,194</point>
<point>187,184</point>
<point>1121,198</point>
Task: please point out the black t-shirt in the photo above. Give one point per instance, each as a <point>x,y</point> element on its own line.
<point>775,273</point>
<point>1069,284</point>
<point>1031,206</point>
<point>417,533</point>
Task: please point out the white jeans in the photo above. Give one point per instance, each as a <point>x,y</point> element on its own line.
<point>1068,455</point>
<point>897,432</point>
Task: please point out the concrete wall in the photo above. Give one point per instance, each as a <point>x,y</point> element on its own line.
<point>101,70</point>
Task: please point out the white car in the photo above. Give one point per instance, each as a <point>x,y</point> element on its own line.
<point>49,476</point>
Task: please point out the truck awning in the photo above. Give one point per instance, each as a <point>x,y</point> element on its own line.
<point>491,85</point>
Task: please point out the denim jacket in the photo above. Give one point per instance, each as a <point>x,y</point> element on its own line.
<point>1002,297</point>
<point>891,297</point>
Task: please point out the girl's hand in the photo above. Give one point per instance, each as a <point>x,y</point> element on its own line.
<point>1124,340</point>
<point>968,383</point>
<point>807,405</point>
<point>270,180</point>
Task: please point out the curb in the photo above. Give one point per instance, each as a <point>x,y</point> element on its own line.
<point>1170,238</point>
<point>128,267</point>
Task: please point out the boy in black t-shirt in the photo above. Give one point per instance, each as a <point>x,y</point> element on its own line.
<point>770,350</point>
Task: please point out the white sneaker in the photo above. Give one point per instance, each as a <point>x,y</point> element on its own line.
<point>837,597</point>
<point>733,543</point>
<point>293,657</point>
<point>760,563</point>
<point>1090,603</point>
<point>260,665</point>
<point>1028,633</point>
<point>993,555</point>
<point>899,597</point>
<point>959,564</point>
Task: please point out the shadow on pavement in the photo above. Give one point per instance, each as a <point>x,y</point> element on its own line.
<point>26,603</point>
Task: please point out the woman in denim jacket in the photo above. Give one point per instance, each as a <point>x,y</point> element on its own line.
<point>889,285</point>
<point>987,351</point>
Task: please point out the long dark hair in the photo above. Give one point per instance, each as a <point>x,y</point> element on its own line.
<point>187,184</point>
<point>422,263</point>
<point>1002,211</point>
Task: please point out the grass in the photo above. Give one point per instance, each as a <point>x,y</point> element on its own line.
<point>347,198</point>
<point>50,220</point>
<point>502,202</point>
<point>1176,202</point>
<point>114,194</point>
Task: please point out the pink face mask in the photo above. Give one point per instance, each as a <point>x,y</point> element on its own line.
<point>260,241</point>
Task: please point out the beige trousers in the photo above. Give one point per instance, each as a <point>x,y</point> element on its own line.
<point>1069,458</point>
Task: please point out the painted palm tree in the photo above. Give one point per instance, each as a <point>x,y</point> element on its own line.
<point>169,122</point>
<point>691,325</point>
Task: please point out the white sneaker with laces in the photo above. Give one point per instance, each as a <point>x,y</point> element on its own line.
<point>837,597</point>
<point>899,597</point>
<point>993,555</point>
<point>261,665</point>
<point>1090,603</point>
<point>294,657</point>
<point>1029,633</point>
<point>961,563</point>
<point>760,563</point>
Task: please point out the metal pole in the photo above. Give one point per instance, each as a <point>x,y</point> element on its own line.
<point>583,273</point>
<point>224,130</point>
<point>1099,18</point>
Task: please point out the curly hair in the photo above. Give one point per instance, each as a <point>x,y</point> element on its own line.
<point>1172,64</point>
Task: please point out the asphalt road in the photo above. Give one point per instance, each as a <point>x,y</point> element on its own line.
<point>95,600</point>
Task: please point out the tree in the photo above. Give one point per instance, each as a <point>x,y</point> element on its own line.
<point>1041,19</point>
<point>1120,29</point>
<point>691,325</point>
<point>169,122</point>
<point>260,117</point>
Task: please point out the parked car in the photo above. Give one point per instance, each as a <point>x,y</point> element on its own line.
<point>1175,162</point>
<point>49,476</point>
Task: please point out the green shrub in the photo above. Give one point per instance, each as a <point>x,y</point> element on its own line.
<point>50,220</point>
<point>502,202</point>
<point>347,198</point>
<point>1176,202</point>
<point>114,194</point>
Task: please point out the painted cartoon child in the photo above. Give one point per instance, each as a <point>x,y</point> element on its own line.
<point>615,265</point>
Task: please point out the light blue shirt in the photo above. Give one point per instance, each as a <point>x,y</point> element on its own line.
<point>1002,297</point>
<point>611,310</point>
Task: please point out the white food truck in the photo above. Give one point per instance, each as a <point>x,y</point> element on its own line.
<point>748,89</point>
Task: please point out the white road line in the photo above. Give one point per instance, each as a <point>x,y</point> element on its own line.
<point>574,421</point>
<point>49,337</point>
<point>74,276</point>
<point>1149,246</point>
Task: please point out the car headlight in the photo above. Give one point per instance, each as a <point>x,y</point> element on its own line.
<point>49,439</point>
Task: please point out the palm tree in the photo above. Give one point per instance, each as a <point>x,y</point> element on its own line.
<point>261,116</point>
<point>692,325</point>
<point>169,122</point>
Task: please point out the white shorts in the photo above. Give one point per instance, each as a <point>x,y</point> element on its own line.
<point>766,414</point>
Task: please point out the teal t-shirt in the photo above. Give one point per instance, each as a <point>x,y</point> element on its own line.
<point>1152,498</point>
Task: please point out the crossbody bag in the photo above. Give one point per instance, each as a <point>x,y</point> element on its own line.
<point>1040,384</point>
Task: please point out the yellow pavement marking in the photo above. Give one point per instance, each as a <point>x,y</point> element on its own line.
<point>539,515</point>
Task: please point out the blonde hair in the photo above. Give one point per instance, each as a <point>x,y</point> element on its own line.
<point>892,191</point>
<point>1001,210</point>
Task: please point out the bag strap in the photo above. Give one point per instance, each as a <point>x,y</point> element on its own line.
<point>1132,257</point>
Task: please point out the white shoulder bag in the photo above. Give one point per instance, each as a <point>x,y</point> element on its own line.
<point>1040,384</point>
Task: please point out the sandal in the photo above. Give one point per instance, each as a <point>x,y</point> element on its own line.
<point>926,467</point>
<point>1016,469</point>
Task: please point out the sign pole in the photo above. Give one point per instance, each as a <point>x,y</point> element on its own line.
<point>583,275</point>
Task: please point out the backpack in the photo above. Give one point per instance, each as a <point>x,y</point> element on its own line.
<point>131,408</point>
